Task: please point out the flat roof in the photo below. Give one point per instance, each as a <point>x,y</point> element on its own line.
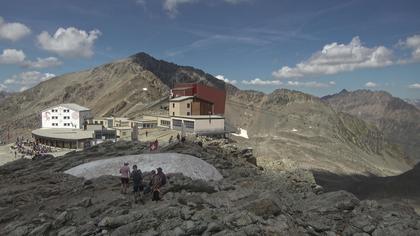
<point>181,98</point>
<point>200,117</point>
<point>72,106</point>
<point>63,133</point>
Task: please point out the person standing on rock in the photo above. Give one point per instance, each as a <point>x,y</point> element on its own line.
<point>178,137</point>
<point>156,184</point>
<point>137,178</point>
<point>125,175</point>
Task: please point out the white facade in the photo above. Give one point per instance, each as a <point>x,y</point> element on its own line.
<point>199,124</point>
<point>70,116</point>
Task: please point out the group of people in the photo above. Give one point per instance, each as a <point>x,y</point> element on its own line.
<point>178,138</point>
<point>157,180</point>
<point>27,147</point>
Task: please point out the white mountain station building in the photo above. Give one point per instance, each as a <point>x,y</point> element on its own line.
<point>67,115</point>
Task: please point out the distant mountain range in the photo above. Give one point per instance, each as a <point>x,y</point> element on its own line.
<point>415,102</point>
<point>286,128</point>
<point>397,119</point>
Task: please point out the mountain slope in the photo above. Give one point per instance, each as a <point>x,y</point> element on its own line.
<point>292,128</point>
<point>111,89</point>
<point>396,118</point>
<point>284,125</point>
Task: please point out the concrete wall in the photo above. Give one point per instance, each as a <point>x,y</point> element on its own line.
<point>209,125</point>
<point>180,108</point>
<point>201,125</point>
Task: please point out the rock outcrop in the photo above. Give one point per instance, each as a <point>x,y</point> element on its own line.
<point>37,198</point>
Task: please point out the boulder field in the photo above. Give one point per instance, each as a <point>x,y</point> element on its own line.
<point>38,198</point>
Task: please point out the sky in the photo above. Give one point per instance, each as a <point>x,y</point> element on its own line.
<point>319,47</point>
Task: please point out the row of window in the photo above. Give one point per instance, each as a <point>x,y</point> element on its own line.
<point>165,122</point>
<point>56,110</point>
<point>56,124</point>
<point>188,105</point>
<point>187,124</point>
<point>56,117</point>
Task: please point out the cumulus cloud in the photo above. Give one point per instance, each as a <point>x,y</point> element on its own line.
<point>371,85</point>
<point>311,84</point>
<point>12,56</point>
<point>258,81</point>
<point>226,80</point>
<point>412,43</point>
<point>12,30</point>
<point>414,86</point>
<point>69,42</point>
<point>40,63</point>
<point>335,58</point>
<point>27,79</point>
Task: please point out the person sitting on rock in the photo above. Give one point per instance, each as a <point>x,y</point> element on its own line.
<point>137,178</point>
<point>125,175</point>
<point>156,183</point>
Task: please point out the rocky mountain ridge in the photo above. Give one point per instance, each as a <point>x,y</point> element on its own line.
<point>286,126</point>
<point>398,119</point>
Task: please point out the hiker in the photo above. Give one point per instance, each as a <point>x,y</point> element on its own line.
<point>125,175</point>
<point>148,187</point>
<point>162,176</point>
<point>156,183</point>
<point>171,138</point>
<point>178,137</point>
<point>183,139</point>
<point>147,133</point>
<point>137,177</point>
<point>156,144</point>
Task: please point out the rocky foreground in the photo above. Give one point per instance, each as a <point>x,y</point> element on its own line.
<point>37,198</point>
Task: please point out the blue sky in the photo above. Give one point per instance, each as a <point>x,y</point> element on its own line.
<point>319,47</point>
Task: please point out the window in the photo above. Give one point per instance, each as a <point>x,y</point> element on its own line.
<point>173,113</point>
<point>54,117</point>
<point>189,124</point>
<point>66,110</point>
<point>66,124</point>
<point>54,110</point>
<point>67,117</point>
<point>188,113</point>
<point>173,105</point>
<point>188,105</point>
<point>165,122</point>
<point>177,123</point>
<point>54,124</point>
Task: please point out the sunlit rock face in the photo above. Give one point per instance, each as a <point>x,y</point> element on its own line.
<point>188,165</point>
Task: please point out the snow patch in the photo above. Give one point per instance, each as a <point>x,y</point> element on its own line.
<point>243,133</point>
<point>188,165</point>
<point>294,130</point>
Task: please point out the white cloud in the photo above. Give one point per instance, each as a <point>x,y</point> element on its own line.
<point>412,43</point>
<point>70,42</point>
<point>28,79</point>
<point>12,56</point>
<point>335,58</point>
<point>12,30</point>
<point>43,63</point>
<point>311,84</point>
<point>226,80</point>
<point>3,87</point>
<point>371,85</point>
<point>414,86</point>
<point>258,81</point>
